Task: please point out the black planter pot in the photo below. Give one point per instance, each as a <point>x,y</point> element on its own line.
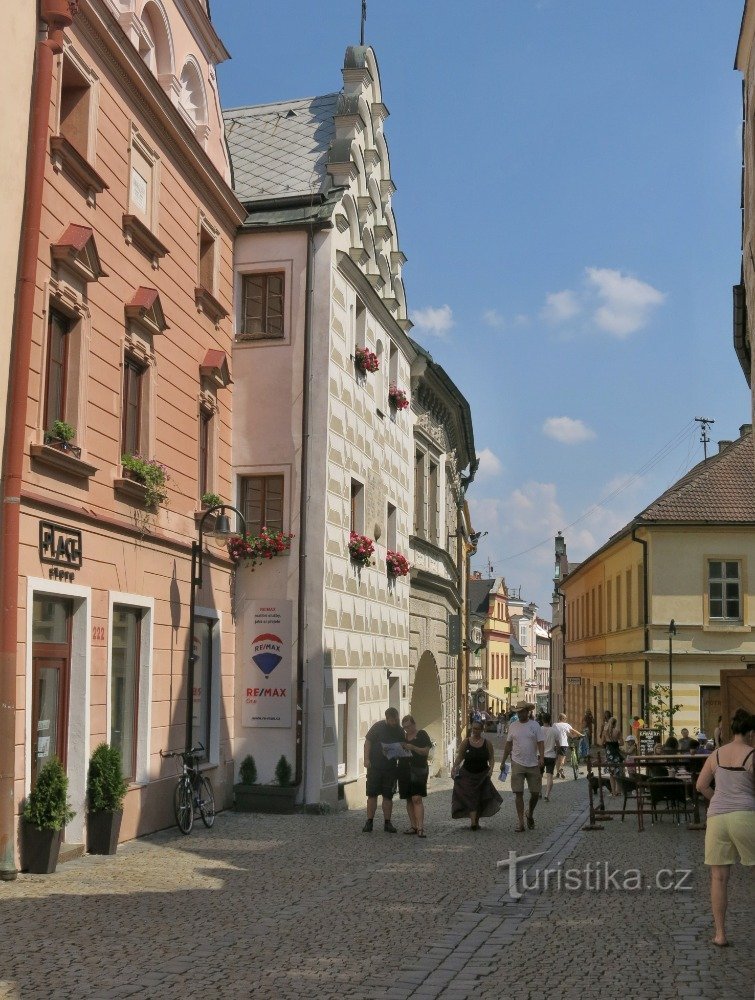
<point>264,798</point>
<point>40,850</point>
<point>102,831</point>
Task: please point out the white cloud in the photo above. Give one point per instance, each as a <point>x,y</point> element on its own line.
<point>561,306</point>
<point>493,318</point>
<point>490,465</point>
<point>567,430</point>
<point>627,302</point>
<point>434,322</point>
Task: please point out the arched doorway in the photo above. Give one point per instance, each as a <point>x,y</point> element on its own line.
<point>427,706</point>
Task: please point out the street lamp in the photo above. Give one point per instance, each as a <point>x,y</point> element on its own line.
<point>671,634</point>
<point>221,529</point>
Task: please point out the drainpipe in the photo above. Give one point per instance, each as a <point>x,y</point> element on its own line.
<point>645,606</point>
<point>304,497</point>
<point>58,14</point>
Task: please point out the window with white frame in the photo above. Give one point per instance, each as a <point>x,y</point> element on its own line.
<point>390,528</point>
<point>262,502</point>
<point>356,511</point>
<point>208,256</point>
<point>262,304</point>
<point>724,590</point>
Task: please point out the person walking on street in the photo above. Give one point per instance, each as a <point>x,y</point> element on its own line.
<point>382,771</point>
<point>474,794</point>
<point>563,732</point>
<point>588,725</point>
<point>550,753</point>
<point>525,746</point>
<point>413,773</point>
<point>730,827</point>
<point>610,739</point>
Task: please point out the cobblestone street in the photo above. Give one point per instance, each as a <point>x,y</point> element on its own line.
<point>308,906</point>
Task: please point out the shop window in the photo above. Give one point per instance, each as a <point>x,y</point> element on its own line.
<point>262,303</point>
<point>205,694</point>
<point>262,503</point>
<point>124,685</point>
<point>724,595</point>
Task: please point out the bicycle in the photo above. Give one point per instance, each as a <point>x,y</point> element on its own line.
<point>573,758</point>
<point>193,791</point>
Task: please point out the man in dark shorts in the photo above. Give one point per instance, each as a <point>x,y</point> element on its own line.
<point>382,772</point>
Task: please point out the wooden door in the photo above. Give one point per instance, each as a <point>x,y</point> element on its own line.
<point>51,662</point>
<point>737,691</point>
<point>710,709</point>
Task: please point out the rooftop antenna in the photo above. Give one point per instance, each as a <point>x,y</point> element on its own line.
<point>704,423</point>
<point>364,18</point>
<point>489,567</point>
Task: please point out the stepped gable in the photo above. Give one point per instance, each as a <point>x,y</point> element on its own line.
<point>281,150</point>
<point>721,489</point>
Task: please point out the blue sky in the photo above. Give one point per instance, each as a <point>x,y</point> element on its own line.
<point>568,200</point>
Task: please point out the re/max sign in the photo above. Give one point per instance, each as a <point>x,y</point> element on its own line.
<point>59,545</point>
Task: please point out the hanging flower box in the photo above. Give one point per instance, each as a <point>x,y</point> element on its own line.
<point>366,360</point>
<point>361,549</point>
<point>252,549</point>
<point>397,564</point>
<point>397,397</point>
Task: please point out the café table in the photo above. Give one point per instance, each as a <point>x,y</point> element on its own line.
<point>689,764</point>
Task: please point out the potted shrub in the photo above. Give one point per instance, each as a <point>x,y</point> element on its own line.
<point>210,500</point>
<point>361,548</point>
<point>151,474</point>
<point>46,812</point>
<point>60,436</point>
<point>249,796</point>
<point>366,360</point>
<point>106,790</point>
<point>252,549</point>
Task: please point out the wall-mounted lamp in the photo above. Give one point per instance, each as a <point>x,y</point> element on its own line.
<point>388,674</point>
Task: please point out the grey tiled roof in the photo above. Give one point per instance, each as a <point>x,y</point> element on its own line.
<point>478,595</point>
<point>516,648</point>
<point>280,150</point>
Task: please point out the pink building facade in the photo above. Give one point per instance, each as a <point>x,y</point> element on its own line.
<point>129,347</point>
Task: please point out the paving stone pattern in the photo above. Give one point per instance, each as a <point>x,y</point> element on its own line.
<point>310,907</point>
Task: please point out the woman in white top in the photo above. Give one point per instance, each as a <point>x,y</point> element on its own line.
<point>730,828</point>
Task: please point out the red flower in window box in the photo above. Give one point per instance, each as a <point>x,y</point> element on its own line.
<point>361,549</point>
<point>397,397</point>
<point>397,564</point>
<point>252,549</point>
<point>366,360</point>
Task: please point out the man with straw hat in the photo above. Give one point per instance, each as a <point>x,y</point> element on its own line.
<point>525,744</point>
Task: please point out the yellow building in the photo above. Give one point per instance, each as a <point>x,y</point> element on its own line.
<point>668,599</point>
<point>488,602</point>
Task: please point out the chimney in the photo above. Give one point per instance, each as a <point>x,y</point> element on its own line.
<point>723,445</point>
<point>745,429</point>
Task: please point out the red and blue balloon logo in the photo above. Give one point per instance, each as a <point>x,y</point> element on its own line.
<point>266,652</point>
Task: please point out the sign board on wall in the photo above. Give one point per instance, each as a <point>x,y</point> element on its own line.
<point>267,668</point>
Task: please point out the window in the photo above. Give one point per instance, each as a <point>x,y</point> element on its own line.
<point>132,437</point>
<point>640,596</point>
<point>207,258</point>
<point>262,503</point>
<point>360,329</point>
<point>204,693</point>
<point>419,493</point>
<point>600,609</point>
<point>724,602</point>
<point>630,619</point>
<point>124,685</point>
<point>609,605</point>
<point>143,182</point>
<point>75,113</point>
<point>205,447</point>
<point>58,340</point>
<point>390,519</point>
<point>392,364</point>
<point>432,502</point>
<point>356,514</point>
<point>618,603</point>
<point>262,296</point>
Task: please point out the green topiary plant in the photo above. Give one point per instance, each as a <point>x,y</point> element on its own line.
<point>62,431</point>
<point>283,772</point>
<point>47,807</point>
<point>210,500</point>
<point>106,787</point>
<point>248,771</point>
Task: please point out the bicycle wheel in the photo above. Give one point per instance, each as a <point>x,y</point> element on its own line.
<point>206,802</point>
<point>574,763</point>
<point>183,806</point>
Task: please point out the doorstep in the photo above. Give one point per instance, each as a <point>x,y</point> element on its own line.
<point>69,852</point>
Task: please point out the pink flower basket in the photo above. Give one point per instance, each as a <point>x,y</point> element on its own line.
<point>252,549</point>
<point>361,549</point>
<point>397,564</point>
<point>397,397</point>
<point>366,360</point>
